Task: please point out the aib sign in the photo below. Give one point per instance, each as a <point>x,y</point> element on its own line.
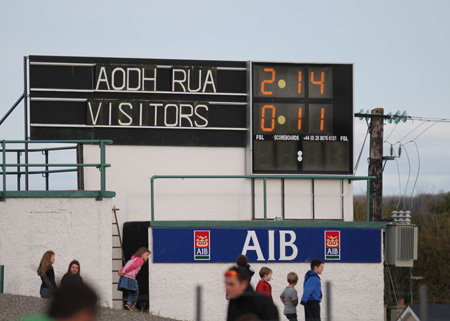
<point>202,249</point>
<point>271,245</point>
<point>332,245</point>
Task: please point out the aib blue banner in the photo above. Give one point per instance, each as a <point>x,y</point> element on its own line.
<point>223,245</point>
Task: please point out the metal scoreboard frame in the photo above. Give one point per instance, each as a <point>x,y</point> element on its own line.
<point>300,118</point>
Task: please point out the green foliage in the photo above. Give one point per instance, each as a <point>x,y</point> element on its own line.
<point>431,214</point>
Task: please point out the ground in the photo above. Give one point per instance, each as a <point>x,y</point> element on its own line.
<point>14,307</point>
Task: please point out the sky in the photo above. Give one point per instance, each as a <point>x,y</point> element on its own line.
<point>400,50</point>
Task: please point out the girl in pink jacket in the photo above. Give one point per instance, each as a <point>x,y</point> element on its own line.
<point>127,281</point>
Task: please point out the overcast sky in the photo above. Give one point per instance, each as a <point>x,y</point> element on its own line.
<point>400,51</point>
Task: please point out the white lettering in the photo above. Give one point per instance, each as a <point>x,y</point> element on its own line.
<point>199,81</point>
<point>102,78</point>
<point>94,120</point>
<point>123,112</point>
<point>251,237</point>
<point>165,115</point>
<point>186,116</point>
<point>179,81</point>
<point>144,79</point>
<point>209,80</point>
<point>284,244</point>
<point>200,116</point>
<point>129,70</point>
<point>271,245</point>
<point>156,113</point>
<point>113,81</point>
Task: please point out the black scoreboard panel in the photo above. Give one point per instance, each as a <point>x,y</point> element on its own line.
<point>139,101</point>
<point>301,118</point>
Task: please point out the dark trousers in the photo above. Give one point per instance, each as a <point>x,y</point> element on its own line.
<point>291,316</point>
<point>312,310</point>
<point>132,297</point>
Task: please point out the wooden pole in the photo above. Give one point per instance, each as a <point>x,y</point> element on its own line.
<point>376,165</point>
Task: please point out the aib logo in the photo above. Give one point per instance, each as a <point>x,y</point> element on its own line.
<point>202,249</point>
<point>332,245</point>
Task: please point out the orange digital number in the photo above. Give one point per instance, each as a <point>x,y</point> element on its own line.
<point>322,117</point>
<point>300,118</point>
<point>263,116</point>
<point>267,81</point>
<point>318,82</point>
<point>299,82</point>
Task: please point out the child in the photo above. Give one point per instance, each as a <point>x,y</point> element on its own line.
<point>289,297</point>
<point>47,274</point>
<point>242,261</point>
<point>263,285</point>
<point>73,274</point>
<point>127,281</point>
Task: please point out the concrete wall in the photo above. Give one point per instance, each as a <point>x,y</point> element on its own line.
<point>357,289</point>
<point>74,228</point>
<point>133,166</point>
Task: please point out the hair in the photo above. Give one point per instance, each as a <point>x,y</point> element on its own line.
<point>45,262</point>
<point>71,299</point>
<point>76,263</point>
<point>264,271</point>
<point>316,263</point>
<point>242,260</point>
<point>241,274</point>
<point>141,251</point>
<point>292,278</point>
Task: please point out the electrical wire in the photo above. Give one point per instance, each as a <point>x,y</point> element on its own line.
<point>401,139</point>
<point>362,148</point>
<point>409,175</point>
<point>390,133</point>
<point>399,184</point>
<point>393,288</point>
<point>424,131</point>
<point>417,176</point>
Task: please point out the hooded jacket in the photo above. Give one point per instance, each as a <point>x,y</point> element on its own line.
<point>312,289</point>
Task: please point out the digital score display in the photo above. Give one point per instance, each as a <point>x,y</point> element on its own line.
<point>301,118</point>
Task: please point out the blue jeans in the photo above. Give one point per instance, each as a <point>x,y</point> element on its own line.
<point>46,293</point>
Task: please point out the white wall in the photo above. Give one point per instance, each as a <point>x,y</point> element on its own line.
<point>212,199</point>
<point>357,289</point>
<point>74,228</point>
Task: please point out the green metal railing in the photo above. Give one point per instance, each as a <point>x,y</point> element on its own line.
<point>264,178</point>
<point>101,166</point>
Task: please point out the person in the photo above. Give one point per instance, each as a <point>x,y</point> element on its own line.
<point>312,291</point>
<point>244,301</point>
<point>263,285</point>
<point>47,274</point>
<point>72,302</point>
<point>289,297</point>
<point>127,280</point>
<point>242,261</point>
<point>73,274</point>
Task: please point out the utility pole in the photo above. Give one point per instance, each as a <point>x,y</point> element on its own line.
<point>376,164</point>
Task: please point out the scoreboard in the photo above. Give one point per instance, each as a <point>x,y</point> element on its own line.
<point>301,118</point>
<point>293,118</point>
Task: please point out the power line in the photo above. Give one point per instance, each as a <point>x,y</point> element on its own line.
<point>417,176</point>
<point>360,153</point>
